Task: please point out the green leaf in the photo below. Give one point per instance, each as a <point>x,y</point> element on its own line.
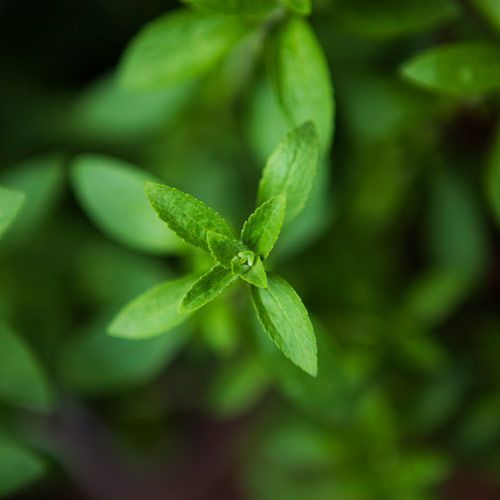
<point>112,193</point>
<point>284,317</point>
<point>207,288</point>
<point>237,387</point>
<point>492,177</point>
<point>10,204</point>
<point>302,79</point>
<point>464,69</point>
<point>41,180</point>
<point>22,380</point>
<point>154,312</point>
<point>256,275</point>
<point>178,46</point>
<point>95,363</point>
<point>187,216</point>
<point>301,7</point>
<point>19,466</point>
<point>490,10</point>
<point>238,7</point>
<point>224,249</point>
<point>263,227</point>
<point>291,169</point>
<point>394,18</point>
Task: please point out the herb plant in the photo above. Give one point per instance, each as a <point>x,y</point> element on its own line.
<point>166,166</point>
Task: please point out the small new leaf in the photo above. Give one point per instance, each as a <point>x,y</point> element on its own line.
<point>224,249</point>
<point>187,216</point>
<point>256,275</point>
<point>291,169</point>
<point>285,319</point>
<point>207,288</point>
<point>263,227</point>
<point>152,313</point>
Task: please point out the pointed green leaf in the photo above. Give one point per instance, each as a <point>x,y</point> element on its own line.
<point>238,7</point>
<point>111,191</point>
<point>302,79</point>
<point>154,312</point>
<point>41,179</point>
<point>301,7</point>
<point>207,288</point>
<point>22,380</point>
<point>394,18</point>
<point>285,319</point>
<point>178,46</point>
<point>464,69</point>
<point>263,227</point>
<point>256,275</point>
<point>95,363</point>
<point>187,216</point>
<point>224,249</point>
<point>491,11</point>
<point>291,169</point>
<point>10,203</point>
<point>19,466</point>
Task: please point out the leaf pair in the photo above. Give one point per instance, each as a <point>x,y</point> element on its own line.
<point>285,186</point>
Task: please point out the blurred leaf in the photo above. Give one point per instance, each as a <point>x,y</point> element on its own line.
<point>302,79</point>
<point>107,273</point>
<point>237,387</point>
<point>176,47</point>
<point>394,18</point>
<point>237,7</point>
<point>96,363</point>
<point>491,11</point>
<point>284,317</point>
<point>187,216</point>
<point>302,7</point>
<point>207,288</point>
<point>41,180</point>
<point>219,327</point>
<point>457,235</point>
<point>262,228</point>
<point>19,466</point>
<point>291,169</point>
<point>492,177</point>
<point>10,203</point>
<point>106,111</point>
<point>464,69</point>
<point>435,294</point>
<point>154,312</point>
<point>112,193</point>
<point>22,380</point>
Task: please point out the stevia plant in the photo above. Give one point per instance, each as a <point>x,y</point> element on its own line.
<point>284,188</point>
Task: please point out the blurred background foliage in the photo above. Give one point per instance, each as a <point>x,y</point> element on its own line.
<point>396,257</point>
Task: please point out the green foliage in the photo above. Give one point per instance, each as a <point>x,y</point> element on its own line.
<point>22,379</point>
<point>10,204</point>
<point>176,47</point>
<point>19,466</point>
<point>187,216</point>
<point>464,69</point>
<point>154,312</point>
<point>144,321</point>
<point>394,18</point>
<point>291,169</point>
<point>112,193</point>
<point>285,319</point>
<point>301,78</point>
<point>239,7</point>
